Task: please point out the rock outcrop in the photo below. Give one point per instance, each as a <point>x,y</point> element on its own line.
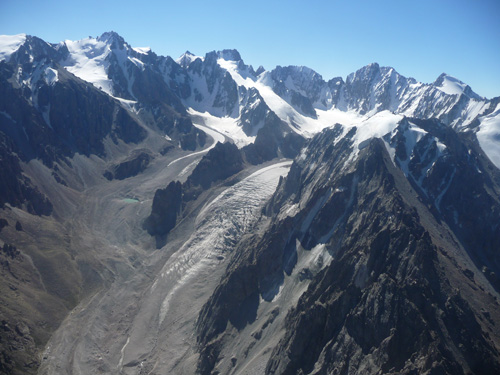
<point>167,204</point>
<point>131,167</point>
<point>221,162</point>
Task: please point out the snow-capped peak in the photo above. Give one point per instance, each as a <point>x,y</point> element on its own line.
<point>364,74</point>
<point>10,44</point>
<point>91,59</point>
<point>187,58</point>
<point>112,38</point>
<point>453,86</point>
<point>449,85</point>
<point>87,60</point>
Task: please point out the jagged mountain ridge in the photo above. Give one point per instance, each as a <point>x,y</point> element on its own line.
<point>366,247</point>
<point>219,84</point>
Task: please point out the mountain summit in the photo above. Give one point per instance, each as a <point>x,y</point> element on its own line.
<point>452,86</point>
<point>185,59</point>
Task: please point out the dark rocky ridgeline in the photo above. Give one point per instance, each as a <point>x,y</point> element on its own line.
<point>461,186</point>
<point>130,167</point>
<point>395,297</point>
<point>221,162</point>
<point>385,304</point>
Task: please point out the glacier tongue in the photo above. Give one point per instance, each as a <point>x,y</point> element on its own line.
<point>192,272</point>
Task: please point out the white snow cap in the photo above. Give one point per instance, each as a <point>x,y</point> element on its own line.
<point>10,44</point>
<point>450,85</point>
<point>109,37</point>
<point>87,60</point>
<point>187,58</point>
<point>142,50</point>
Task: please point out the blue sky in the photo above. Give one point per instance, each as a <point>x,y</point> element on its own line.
<point>421,39</point>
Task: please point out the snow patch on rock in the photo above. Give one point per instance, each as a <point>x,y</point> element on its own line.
<point>489,135</point>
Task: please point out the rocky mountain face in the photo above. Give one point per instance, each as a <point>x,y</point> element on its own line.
<point>216,90</point>
<point>384,286</point>
<point>302,88</point>
<point>137,76</point>
<point>377,253</point>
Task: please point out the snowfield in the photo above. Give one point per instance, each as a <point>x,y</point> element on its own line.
<point>87,60</point>
<point>10,44</point>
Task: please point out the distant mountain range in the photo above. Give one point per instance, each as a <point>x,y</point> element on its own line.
<point>378,252</point>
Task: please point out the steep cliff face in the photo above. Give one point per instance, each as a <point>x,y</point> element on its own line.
<point>222,161</point>
<point>385,303</point>
<point>213,88</point>
<point>167,204</point>
<point>382,282</point>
